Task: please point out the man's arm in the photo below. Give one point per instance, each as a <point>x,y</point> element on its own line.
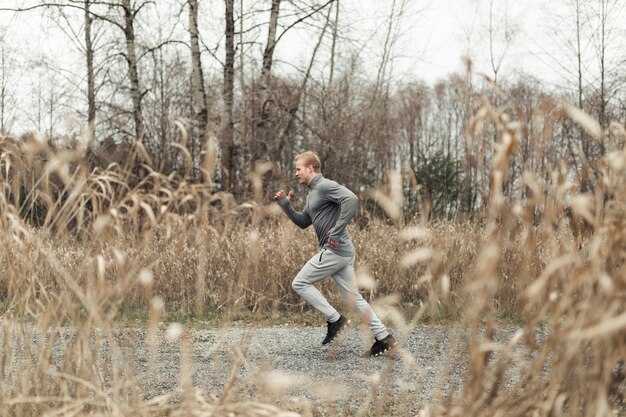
<point>301,219</point>
<point>348,204</point>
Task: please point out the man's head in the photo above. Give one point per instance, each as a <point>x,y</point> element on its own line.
<point>307,167</point>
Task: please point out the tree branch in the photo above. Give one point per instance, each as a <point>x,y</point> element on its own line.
<point>303,19</point>
<point>159,46</point>
<point>141,7</point>
<point>48,5</point>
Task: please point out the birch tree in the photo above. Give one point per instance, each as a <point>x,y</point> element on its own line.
<point>128,27</point>
<point>199,101</point>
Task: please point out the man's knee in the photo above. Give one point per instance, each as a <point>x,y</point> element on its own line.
<point>298,284</point>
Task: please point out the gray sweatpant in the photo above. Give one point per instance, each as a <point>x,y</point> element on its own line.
<point>341,268</point>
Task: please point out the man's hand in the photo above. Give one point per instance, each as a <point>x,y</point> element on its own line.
<point>282,194</point>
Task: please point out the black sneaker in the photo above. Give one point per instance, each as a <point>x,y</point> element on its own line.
<point>388,344</point>
<point>334,328</point>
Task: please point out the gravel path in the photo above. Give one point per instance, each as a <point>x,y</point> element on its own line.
<point>298,351</point>
<point>290,362</point>
<point>431,362</point>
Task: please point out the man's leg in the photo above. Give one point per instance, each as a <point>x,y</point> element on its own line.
<point>316,269</point>
<point>345,279</point>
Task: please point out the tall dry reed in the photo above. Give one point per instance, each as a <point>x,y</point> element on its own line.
<point>80,249</point>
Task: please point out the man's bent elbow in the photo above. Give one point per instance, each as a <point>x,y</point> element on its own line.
<point>303,225</point>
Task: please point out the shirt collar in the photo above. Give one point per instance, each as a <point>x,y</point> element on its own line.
<point>315,181</point>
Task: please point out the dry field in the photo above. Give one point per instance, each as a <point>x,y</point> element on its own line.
<point>82,251</point>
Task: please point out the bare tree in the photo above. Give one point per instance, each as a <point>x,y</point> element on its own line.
<point>501,32</point>
<point>571,61</point>
<point>334,45</point>
<point>262,114</point>
<point>130,11</point>
<point>91,84</point>
<point>608,42</point>
<point>66,26</point>
<point>498,32</point>
<point>570,31</point>
<point>6,94</point>
<point>199,102</point>
<point>578,51</point>
<point>297,104</point>
<point>227,132</point>
<point>131,57</point>
<point>391,37</point>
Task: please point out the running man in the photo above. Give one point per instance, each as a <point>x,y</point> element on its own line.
<point>329,208</point>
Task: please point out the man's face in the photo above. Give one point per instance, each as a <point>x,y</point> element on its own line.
<point>304,173</point>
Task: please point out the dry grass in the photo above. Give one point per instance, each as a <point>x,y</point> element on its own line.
<point>83,248</point>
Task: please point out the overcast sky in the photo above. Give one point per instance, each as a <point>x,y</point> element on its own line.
<point>431,39</point>
<point>435,35</point>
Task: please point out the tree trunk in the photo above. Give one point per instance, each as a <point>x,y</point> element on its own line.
<point>260,150</point>
<point>268,54</point>
<point>199,101</point>
<point>3,89</point>
<point>333,46</point>
<point>244,120</point>
<point>91,84</point>
<point>159,74</point>
<point>602,53</point>
<point>51,104</point>
<point>300,101</point>
<point>226,145</point>
<point>133,74</point>
<point>579,63</point>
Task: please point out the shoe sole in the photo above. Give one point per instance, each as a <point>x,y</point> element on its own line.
<point>390,350</point>
<point>335,344</point>
<point>342,330</point>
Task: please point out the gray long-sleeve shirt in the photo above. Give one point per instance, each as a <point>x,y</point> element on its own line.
<point>329,207</point>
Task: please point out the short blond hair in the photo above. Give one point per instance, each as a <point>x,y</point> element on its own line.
<point>310,158</point>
